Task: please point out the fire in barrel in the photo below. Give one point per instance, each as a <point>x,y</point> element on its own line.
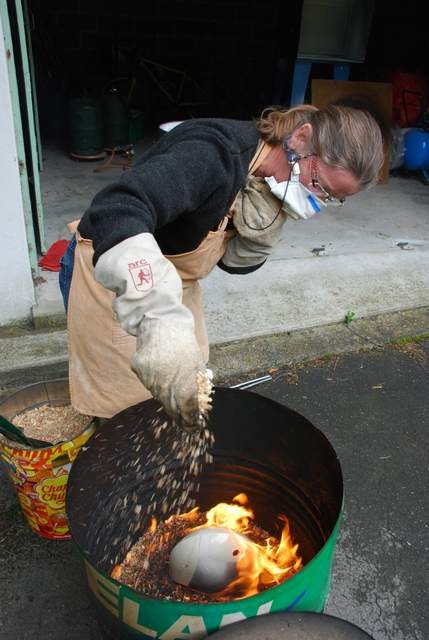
<point>215,556</point>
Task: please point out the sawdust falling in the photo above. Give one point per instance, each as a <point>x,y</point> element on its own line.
<point>205,392</point>
<point>163,462</point>
<point>190,449</point>
<point>162,467</point>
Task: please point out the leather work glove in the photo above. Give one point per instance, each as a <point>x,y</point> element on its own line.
<point>148,305</point>
<point>254,208</point>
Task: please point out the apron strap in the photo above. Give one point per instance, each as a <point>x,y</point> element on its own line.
<point>224,222</point>
<point>261,153</point>
<point>72,226</point>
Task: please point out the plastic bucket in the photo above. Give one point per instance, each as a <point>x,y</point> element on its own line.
<point>271,453</point>
<point>416,154</point>
<point>40,476</point>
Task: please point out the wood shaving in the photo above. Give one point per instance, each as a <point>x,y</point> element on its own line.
<point>178,456</point>
<point>51,423</point>
<point>205,391</point>
<point>191,450</point>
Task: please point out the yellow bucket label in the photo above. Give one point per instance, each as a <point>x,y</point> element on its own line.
<point>40,477</point>
<point>52,491</point>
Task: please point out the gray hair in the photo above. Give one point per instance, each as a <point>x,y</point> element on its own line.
<point>343,136</point>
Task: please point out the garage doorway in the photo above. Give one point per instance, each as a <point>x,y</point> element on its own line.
<point>131,67</point>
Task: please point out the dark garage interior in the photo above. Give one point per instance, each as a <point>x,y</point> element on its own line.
<point>107,75</point>
<point>238,56</point>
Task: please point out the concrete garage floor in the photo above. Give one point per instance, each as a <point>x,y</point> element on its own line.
<point>69,185</point>
<point>369,257</point>
<point>373,407</point>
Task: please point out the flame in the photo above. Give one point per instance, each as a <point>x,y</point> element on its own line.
<point>260,565</point>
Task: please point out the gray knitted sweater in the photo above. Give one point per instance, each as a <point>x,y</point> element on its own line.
<point>179,190</point>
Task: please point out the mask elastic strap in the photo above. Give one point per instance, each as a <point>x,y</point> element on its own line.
<point>280,207</point>
<point>295,172</point>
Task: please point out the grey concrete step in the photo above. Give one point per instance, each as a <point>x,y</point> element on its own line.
<point>35,356</point>
<point>31,357</point>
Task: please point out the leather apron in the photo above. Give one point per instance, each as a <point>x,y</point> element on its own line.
<point>100,377</point>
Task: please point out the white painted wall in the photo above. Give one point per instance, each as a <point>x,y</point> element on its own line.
<point>16,284</point>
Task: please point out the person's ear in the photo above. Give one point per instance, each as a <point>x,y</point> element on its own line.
<point>300,139</point>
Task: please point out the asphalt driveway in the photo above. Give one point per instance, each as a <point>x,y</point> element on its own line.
<point>374,408</point>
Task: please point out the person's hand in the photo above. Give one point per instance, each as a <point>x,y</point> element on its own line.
<point>167,361</point>
<point>258,219</point>
<point>149,306</point>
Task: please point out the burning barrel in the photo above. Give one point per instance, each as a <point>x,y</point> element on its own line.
<point>273,456</point>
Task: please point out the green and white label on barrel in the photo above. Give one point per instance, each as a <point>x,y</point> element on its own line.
<point>167,620</point>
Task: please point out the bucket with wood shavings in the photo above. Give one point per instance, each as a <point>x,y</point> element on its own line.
<point>40,473</point>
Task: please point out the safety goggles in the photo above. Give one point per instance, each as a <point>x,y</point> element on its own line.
<point>320,190</point>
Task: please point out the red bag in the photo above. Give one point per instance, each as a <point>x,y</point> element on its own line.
<point>409,97</point>
<point>51,260</point>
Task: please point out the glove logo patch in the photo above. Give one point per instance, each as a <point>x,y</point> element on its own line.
<point>141,274</point>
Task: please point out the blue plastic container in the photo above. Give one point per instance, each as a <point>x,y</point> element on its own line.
<point>416,155</point>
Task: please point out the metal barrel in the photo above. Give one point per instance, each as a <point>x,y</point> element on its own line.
<point>271,453</point>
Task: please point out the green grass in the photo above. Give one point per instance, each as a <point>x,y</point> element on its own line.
<point>418,339</point>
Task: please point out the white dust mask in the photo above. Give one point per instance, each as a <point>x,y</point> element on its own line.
<point>298,201</point>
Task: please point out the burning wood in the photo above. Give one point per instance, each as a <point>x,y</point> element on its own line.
<point>263,561</point>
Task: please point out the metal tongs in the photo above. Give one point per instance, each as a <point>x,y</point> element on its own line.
<point>251,383</point>
<point>201,422</point>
